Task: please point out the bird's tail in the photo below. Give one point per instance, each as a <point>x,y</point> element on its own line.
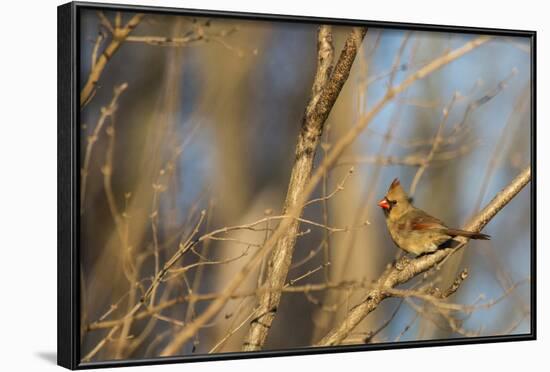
<point>468,234</point>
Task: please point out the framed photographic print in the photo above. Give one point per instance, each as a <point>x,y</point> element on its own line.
<point>237,185</point>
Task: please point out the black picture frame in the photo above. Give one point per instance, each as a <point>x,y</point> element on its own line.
<point>68,185</point>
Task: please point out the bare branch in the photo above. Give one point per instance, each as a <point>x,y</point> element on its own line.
<point>436,142</point>
<point>119,35</point>
<point>106,113</point>
<point>325,91</point>
<point>346,285</point>
<point>393,277</point>
<point>352,135</point>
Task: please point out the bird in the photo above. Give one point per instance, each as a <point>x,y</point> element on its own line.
<point>414,230</point>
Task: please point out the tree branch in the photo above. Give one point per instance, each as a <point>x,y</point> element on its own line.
<point>325,91</point>
<point>393,277</point>
<point>119,35</point>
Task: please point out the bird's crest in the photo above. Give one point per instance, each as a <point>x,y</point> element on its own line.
<point>396,192</point>
<point>394,183</point>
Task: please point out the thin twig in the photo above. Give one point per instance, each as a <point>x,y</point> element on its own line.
<point>106,113</point>
<point>435,145</point>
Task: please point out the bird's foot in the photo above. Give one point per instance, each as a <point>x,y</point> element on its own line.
<point>402,262</point>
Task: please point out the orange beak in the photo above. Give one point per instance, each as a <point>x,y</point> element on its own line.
<point>384,204</point>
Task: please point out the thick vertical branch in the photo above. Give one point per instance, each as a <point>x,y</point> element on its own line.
<point>325,91</point>
<point>394,277</point>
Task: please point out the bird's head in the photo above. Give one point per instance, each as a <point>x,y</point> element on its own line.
<point>396,202</point>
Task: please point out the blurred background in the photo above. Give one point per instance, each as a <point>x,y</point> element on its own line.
<point>195,114</point>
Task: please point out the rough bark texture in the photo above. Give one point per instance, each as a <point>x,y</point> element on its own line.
<point>325,91</point>
<point>393,277</point>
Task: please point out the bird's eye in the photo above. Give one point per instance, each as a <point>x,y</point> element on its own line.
<point>392,202</point>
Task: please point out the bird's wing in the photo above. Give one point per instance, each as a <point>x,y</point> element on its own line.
<point>421,220</point>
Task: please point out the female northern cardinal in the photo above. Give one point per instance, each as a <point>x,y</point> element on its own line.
<point>412,229</point>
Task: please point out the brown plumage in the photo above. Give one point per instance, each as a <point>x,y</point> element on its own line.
<point>414,230</point>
